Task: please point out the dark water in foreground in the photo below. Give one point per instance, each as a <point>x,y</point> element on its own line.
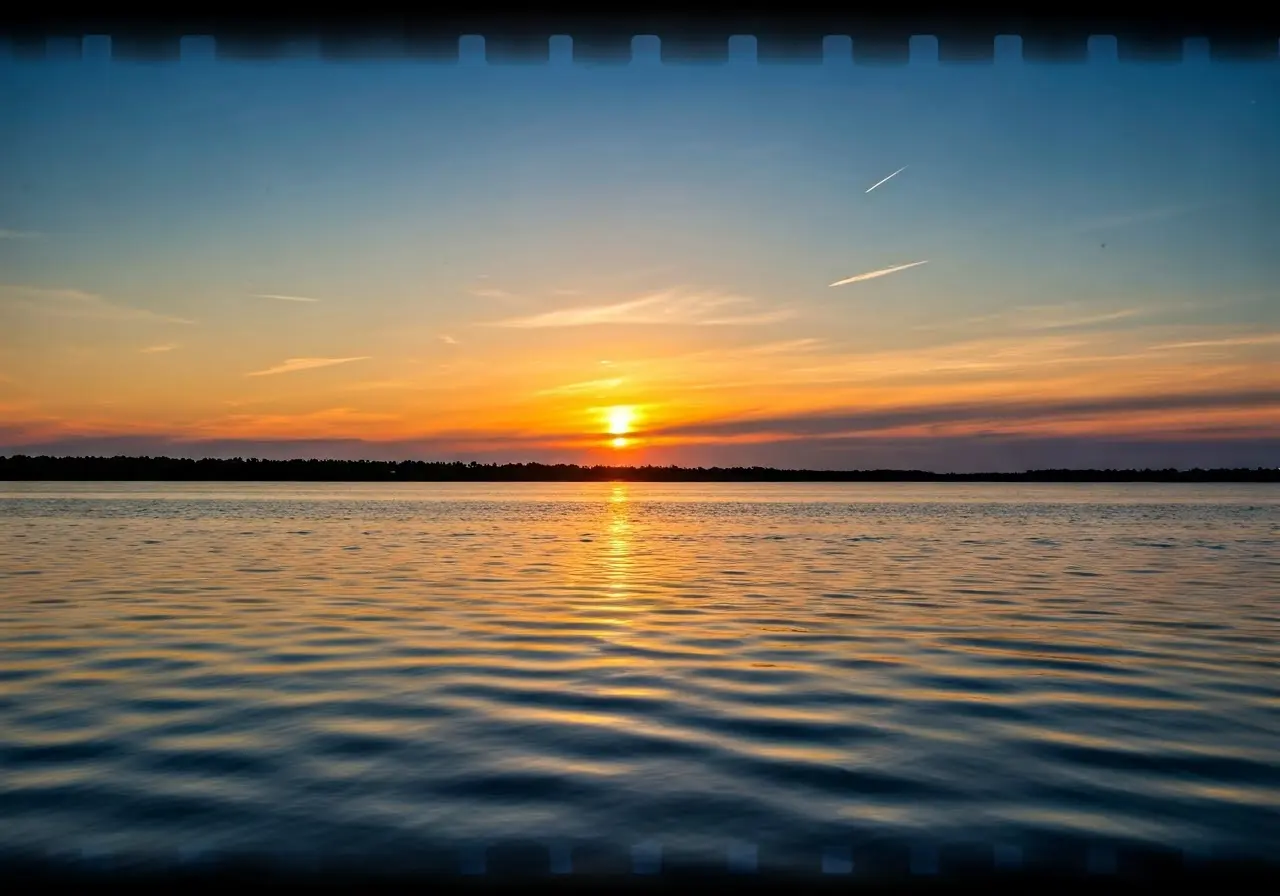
<point>776,676</point>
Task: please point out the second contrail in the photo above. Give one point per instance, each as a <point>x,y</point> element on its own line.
<point>891,176</point>
<point>883,272</point>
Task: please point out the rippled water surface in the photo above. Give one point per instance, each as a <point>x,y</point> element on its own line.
<point>411,672</point>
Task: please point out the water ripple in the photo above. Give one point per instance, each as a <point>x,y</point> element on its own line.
<point>306,674</point>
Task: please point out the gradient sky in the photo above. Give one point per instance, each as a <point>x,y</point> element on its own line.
<point>391,260</point>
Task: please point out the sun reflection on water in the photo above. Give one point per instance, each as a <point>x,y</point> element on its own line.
<point>618,563</point>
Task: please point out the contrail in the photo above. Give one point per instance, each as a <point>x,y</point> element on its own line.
<point>881,273</point>
<point>879,182</point>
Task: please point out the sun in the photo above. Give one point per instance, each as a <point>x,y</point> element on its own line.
<point>620,420</point>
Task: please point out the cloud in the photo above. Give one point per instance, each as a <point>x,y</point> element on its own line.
<point>589,386</point>
<point>826,424</point>
<point>751,320</point>
<point>883,272</point>
<point>295,364</point>
<point>267,295</point>
<point>19,235</point>
<point>375,385</point>
<point>1143,216</point>
<point>672,307</point>
<point>1041,317</point>
<point>775,348</point>
<point>326,423</point>
<point>1265,339</point>
<point>1072,322</point>
<point>977,356</point>
<point>76,303</point>
<point>156,349</point>
<point>491,293</point>
<point>448,340</point>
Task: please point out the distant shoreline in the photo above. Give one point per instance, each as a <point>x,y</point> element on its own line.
<point>23,468</point>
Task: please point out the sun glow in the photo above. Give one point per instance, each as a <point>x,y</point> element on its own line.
<point>620,421</point>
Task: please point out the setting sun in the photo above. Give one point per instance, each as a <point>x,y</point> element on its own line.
<point>620,421</point>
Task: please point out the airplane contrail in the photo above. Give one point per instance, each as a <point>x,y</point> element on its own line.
<point>879,182</point>
<point>880,273</point>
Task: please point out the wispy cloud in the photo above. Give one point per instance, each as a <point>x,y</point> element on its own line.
<point>267,295</point>
<point>489,292</point>
<point>883,272</point>
<point>1041,317</point>
<point>589,386</point>
<point>776,348</point>
<point>381,385</point>
<point>76,303</point>
<point>156,349</point>
<point>750,320</point>
<point>1064,323</point>
<point>339,421</point>
<point>884,180</point>
<point>1142,216</point>
<point>19,235</point>
<point>448,340</point>
<point>669,307</point>
<point>721,367</point>
<point>1264,339</point>
<point>1005,356</point>
<point>295,364</point>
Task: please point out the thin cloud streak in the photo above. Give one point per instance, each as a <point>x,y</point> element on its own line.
<point>884,272</point>
<point>448,340</point>
<point>673,307</point>
<point>267,295</point>
<point>1039,317</point>
<point>889,178</point>
<point>1140,217</point>
<point>589,386</point>
<point>751,320</point>
<point>19,235</point>
<point>295,364</point>
<point>492,293</point>
<point>1083,321</point>
<point>156,349</point>
<point>75,303</point>
<point>1268,339</point>
<point>382,385</point>
<point>791,345</point>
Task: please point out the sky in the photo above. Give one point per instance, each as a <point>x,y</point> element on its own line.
<point>1070,266</point>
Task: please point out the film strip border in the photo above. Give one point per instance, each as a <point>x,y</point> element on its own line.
<point>869,38</point>
<point>653,859</point>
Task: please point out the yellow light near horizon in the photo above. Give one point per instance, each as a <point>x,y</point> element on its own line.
<point>620,442</point>
<point>620,421</point>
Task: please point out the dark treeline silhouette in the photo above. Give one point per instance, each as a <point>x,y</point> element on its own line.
<point>177,469</point>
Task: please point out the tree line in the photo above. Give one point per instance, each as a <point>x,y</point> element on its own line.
<point>240,469</point>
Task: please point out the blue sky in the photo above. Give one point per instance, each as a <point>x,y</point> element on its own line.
<point>425,209</point>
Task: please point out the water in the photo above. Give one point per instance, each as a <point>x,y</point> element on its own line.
<point>796,677</point>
